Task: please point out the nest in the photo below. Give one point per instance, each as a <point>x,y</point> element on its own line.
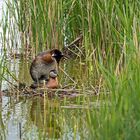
<point>26,91</point>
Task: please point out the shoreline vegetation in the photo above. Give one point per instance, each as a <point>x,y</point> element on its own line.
<point>102,39</point>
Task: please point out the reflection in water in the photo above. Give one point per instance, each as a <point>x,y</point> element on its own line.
<point>45,115</point>
<point>2,128</point>
<point>40,118</point>
<point>11,117</point>
<point>49,120</point>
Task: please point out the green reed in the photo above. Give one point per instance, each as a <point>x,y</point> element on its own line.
<point>118,118</point>
<point>105,25</point>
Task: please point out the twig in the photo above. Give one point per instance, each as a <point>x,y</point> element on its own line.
<point>67,75</point>
<point>60,89</point>
<point>68,90</point>
<point>8,81</point>
<point>73,43</point>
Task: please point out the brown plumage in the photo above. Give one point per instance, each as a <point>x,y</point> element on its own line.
<point>43,64</point>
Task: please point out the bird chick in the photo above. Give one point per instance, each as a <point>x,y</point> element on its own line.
<point>53,81</point>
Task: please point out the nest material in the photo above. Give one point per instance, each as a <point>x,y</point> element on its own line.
<point>25,91</point>
<point>74,49</point>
